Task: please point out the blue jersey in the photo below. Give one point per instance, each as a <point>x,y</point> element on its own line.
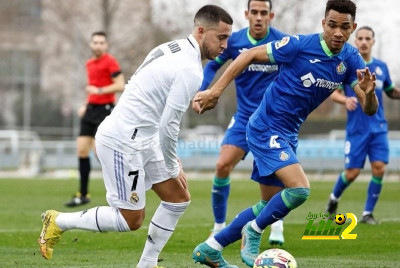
<point>357,120</point>
<point>251,84</point>
<point>310,72</point>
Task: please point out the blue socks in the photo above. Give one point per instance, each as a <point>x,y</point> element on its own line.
<point>265,213</point>
<point>374,189</point>
<point>233,231</point>
<point>340,186</point>
<point>281,204</point>
<point>220,194</point>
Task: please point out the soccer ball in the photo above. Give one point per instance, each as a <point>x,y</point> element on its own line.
<point>275,258</point>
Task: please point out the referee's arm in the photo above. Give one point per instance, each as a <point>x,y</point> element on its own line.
<point>116,86</point>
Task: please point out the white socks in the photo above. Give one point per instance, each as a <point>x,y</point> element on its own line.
<point>98,219</point>
<point>334,198</point>
<point>255,227</point>
<point>161,227</point>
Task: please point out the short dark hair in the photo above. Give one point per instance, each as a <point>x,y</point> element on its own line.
<point>102,33</point>
<point>269,1</point>
<point>342,6</point>
<point>212,15</point>
<point>366,28</point>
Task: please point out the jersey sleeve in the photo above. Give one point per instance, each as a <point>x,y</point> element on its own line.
<point>186,83</point>
<point>388,85</point>
<point>113,67</point>
<point>284,50</point>
<point>169,132</point>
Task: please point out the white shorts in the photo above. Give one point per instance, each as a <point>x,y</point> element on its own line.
<point>127,177</point>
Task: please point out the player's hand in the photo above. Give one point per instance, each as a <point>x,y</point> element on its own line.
<point>207,100</point>
<point>182,179</point>
<point>91,89</point>
<point>81,111</point>
<point>366,81</point>
<point>196,105</point>
<point>351,103</point>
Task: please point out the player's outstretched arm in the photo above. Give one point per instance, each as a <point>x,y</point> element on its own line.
<point>394,93</point>
<point>365,91</point>
<point>208,99</point>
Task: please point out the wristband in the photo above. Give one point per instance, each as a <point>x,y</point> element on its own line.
<point>100,90</point>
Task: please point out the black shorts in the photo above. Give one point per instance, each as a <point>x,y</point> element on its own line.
<point>92,118</point>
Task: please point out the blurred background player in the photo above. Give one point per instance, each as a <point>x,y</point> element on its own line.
<point>250,87</point>
<point>313,66</point>
<point>365,135</point>
<point>104,79</point>
<point>137,143</point>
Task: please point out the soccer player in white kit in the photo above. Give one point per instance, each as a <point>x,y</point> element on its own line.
<point>136,144</point>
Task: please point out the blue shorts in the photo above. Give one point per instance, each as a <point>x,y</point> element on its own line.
<point>236,133</point>
<point>271,152</point>
<point>358,146</point>
<point>270,180</point>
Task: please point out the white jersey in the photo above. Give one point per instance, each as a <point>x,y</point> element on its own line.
<point>170,75</point>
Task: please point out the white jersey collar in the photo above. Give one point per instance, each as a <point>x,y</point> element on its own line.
<point>195,45</point>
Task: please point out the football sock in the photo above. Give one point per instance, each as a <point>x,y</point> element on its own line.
<point>84,170</point>
<point>220,194</point>
<point>162,225</point>
<point>341,184</point>
<point>219,226</point>
<point>374,189</point>
<point>280,205</point>
<point>233,231</point>
<point>98,219</point>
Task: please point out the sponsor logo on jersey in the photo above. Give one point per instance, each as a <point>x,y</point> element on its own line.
<point>379,84</point>
<point>266,68</point>
<point>378,71</point>
<point>282,43</point>
<point>284,156</point>
<point>341,68</point>
<point>309,80</point>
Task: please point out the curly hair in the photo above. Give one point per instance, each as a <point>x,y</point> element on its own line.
<point>342,6</point>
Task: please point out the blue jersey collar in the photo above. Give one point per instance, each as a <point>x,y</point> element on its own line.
<point>255,41</point>
<point>325,47</point>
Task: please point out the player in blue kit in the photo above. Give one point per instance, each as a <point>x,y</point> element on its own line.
<point>250,87</point>
<point>365,135</point>
<point>313,66</point>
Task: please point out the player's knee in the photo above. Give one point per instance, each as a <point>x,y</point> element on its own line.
<point>223,169</point>
<point>184,199</point>
<point>133,218</point>
<point>180,196</point>
<point>135,225</point>
<point>83,151</point>
<point>379,170</point>
<point>294,197</point>
<point>352,175</point>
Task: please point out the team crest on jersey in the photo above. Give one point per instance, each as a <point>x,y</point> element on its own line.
<point>283,156</point>
<point>282,43</point>
<point>134,198</point>
<point>341,68</point>
<point>378,71</point>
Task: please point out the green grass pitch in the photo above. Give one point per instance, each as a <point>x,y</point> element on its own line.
<point>23,200</point>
